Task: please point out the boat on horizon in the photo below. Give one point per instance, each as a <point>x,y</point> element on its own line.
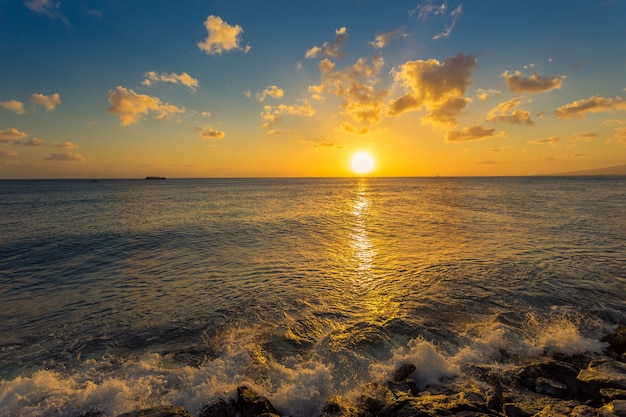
<point>155,178</point>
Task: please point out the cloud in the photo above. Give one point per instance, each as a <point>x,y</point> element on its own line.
<point>8,154</point>
<point>577,109</point>
<point>65,157</point>
<point>65,145</point>
<point>618,136</point>
<point>270,91</point>
<point>184,79</point>
<point>326,145</point>
<point>132,107</point>
<point>32,142</point>
<point>427,9</point>
<point>476,132</point>
<point>383,39</point>
<point>439,87</point>
<point>273,114</point>
<point>483,94</point>
<point>46,7</point>
<point>362,102</point>
<point>210,133</point>
<point>13,105</point>
<point>330,49</point>
<point>221,37</point>
<point>504,112</point>
<point>49,102</point>
<point>11,134</point>
<point>456,14</point>
<point>535,83</point>
<point>552,141</point>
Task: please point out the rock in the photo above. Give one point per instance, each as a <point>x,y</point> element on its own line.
<point>251,404</point>
<point>610,394</point>
<point>160,411</point>
<point>617,343</point>
<point>219,408</point>
<point>604,374</point>
<point>586,411</point>
<point>550,387</point>
<point>337,406</point>
<point>403,372</point>
<point>617,407</point>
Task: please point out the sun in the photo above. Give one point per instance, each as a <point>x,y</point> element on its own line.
<point>362,163</point>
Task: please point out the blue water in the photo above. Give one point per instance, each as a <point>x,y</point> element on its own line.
<point>120,294</point>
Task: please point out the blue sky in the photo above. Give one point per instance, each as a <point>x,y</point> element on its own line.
<point>288,88</point>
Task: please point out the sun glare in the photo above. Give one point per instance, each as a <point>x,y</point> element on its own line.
<point>362,163</point>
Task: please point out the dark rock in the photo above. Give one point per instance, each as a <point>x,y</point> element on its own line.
<point>375,397</point>
<point>403,372</point>
<point>514,410</point>
<point>617,407</point>
<point>550,387</point>
<point>219,408</point>
<point>617,343</point>
<point>610,394</point>
<point>160,411</point>
<point>251,404</point>
<point>337,406</point>
<point>560,372</point>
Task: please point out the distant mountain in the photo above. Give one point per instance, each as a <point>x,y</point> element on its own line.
<point>616,170</point>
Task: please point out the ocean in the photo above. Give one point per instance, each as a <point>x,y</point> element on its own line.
<point>122,294</point>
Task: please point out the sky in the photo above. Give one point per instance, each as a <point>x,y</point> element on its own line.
<point>196,89</point>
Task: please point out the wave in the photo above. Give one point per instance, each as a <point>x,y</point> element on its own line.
<point>298,378</point>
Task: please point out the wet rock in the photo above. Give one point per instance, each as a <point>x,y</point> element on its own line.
<point>617,343</point>
<point>251,404</point>
<point>550,387</point>
<point>604,374</point>
<point>337,406</point>
<point>161,411</point>
<point>375,397</point>
<point>617,407</point>
<point>610,394</point>
<point>587,411</point>
<point>219,408</point>
<point>403,372</point>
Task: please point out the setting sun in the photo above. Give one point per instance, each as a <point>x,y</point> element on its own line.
<point>362,163</point>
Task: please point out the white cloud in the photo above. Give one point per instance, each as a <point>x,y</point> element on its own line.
<point>49,102</point>
<point>13,105</point>
<point>132,107</point>
<point>46,7</point>
<point>32,142</point>
<point>483,94</point>
<point>65,145</point>
<point>221,37</point>
<point>11,134</point>
<point>330,49</point>
<point>456,14</point>
<point>184,79</point>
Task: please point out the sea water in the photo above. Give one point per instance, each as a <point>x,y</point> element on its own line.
<point>122,294</point>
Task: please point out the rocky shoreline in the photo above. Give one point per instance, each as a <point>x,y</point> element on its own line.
<point>584,385</point>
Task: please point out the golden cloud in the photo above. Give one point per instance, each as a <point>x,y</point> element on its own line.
<point>33,142</point>
<point>49,102</point>
<point>132,107</point>
<point>577,109</point>
<point>330,49</point>
<point>273,114</point>
<point>221,37</point>
<point>383,39</point>
<point>210,133</point>
<point>65,145</point>
<point>483,94</point>
<point>13,105</point>
<point>535,83</point>
<point>184,79</point>
<point>356,85</point>
<point>476,132</point>
<point>11,134</point>
<point>439,87</point>
<point>270,91</point>
<point>504,112</point>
